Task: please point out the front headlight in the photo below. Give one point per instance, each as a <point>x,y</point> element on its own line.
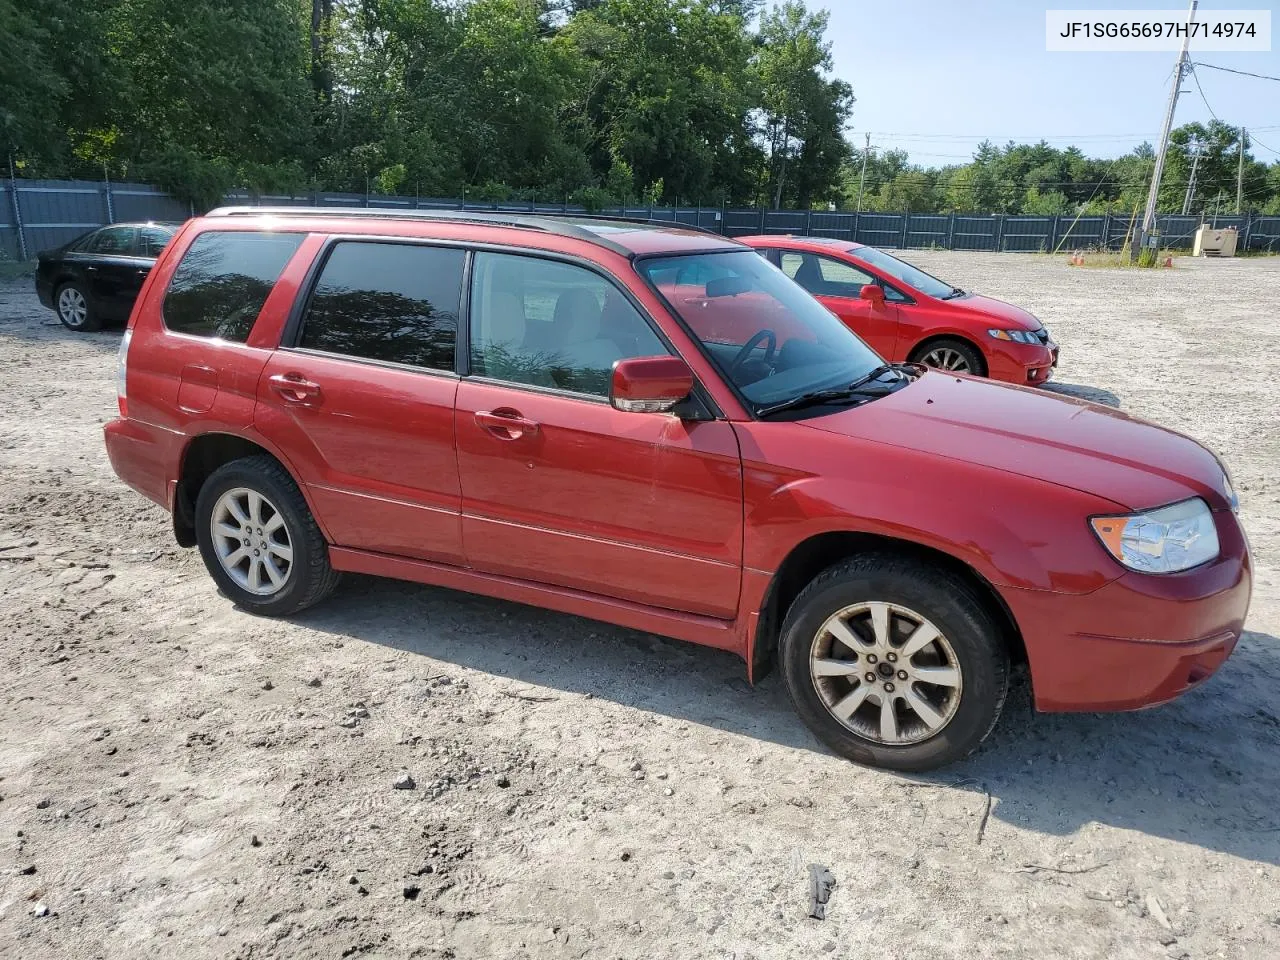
<point>1016,336</point>
<point>1165,540</point>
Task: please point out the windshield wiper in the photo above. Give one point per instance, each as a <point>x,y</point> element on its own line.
<point>860,388</point>
<point>955,292</point>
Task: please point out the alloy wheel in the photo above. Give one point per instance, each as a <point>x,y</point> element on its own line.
<point>946,358</point>
<point>886,673</point>
<point>251,541</point>
<point>72,308</point>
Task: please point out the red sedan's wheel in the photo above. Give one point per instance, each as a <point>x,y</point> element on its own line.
<point>953,356</point>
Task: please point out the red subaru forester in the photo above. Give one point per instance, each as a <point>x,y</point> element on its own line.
<point>903,313</point>
<point>657,428</point>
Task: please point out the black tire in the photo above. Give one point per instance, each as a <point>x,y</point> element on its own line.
<point>90,320</point>
<point>977,365</point>
<point>948,603</point>
<point>309,578</point>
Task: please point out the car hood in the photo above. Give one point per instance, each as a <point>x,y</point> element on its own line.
<point>1006,314</point>
<point>1038,434</point>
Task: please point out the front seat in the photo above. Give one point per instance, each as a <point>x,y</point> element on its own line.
<point>809,275</point>
<point>500,349</point>
<point>577,319</point>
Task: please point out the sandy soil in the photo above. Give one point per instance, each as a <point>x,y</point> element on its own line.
<point>180,779</point>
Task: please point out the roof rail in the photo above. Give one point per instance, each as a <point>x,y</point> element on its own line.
<point>647,221</point>
<point>553,225</point>
<point>562,223</point>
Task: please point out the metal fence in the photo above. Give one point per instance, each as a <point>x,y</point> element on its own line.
<point>37,215</point>
<point>40,214</point>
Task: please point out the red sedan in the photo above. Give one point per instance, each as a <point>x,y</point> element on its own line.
<point>904,313</point>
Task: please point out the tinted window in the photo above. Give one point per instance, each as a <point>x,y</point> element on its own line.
<point>388,301</point>
<point>552,324</point>
<point>112,241</point>
<point>911,276</point>
<point>223,281</point>
<point>824,276</point>
<point>152,240</point>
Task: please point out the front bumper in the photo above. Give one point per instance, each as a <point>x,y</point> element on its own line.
<point>1024,364</point>
<point>1139,641</point>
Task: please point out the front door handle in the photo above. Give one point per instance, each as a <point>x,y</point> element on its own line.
<point>505,424</point>
<point>295,389</point>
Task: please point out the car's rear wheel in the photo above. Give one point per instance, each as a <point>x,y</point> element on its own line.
<point>894,663</point>
<point>259,540</point>
<point>953,356</point>
<point>75,310</point>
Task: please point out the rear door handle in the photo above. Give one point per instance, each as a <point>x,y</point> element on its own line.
<point>505,424</point>
<point>295,389</point>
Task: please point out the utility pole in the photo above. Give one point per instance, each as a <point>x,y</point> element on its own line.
<point>866,151</point>
<point>1240,173</point>
<point>1191,183</point>
<point>1179,70</point>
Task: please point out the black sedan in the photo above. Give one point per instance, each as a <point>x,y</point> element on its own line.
<point>94,279</point>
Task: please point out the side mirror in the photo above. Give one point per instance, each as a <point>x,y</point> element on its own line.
<point>873,293</point>
<point>649,384</point>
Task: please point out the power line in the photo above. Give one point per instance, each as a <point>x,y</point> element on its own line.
<point>1243,73</point>
<point>1195,75</point>
<point>1009,136</point>
<point>1258,143</point>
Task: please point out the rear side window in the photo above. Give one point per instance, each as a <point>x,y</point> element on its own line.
<point>113,241</point>
<point>394,302</point>
<point>152,240</point>
<point>223,281</point>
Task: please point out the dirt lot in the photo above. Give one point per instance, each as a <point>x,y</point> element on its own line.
<point>180,779</point>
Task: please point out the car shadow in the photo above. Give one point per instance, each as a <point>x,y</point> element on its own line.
<point>1200,770</point>
<point>23,317</point>
<point>1082,391</point>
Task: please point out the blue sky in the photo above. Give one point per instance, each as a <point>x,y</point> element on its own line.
<point>935,77</point>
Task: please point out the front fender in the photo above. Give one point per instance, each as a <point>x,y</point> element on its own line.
<point>1013,530</point>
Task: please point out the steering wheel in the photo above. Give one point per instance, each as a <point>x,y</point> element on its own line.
<point>759,337</point>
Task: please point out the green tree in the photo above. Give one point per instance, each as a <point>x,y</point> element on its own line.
<point>804,112</point>
<point>665,88</point>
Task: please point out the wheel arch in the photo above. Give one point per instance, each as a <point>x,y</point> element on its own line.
<point>821,551</point>
<point>916,351</point>
<point>205,453</point>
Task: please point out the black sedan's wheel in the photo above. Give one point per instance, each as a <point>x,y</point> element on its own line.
<point>75,309</point>
<point>259,541</point>
<point>953,356</point>
<point>894,663</point>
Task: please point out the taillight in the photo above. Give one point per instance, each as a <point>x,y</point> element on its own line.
<point>122,362</point>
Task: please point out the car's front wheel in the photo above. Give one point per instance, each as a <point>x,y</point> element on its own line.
<point>894,663</point>
<point>259,540</point>
<point>75,310</point>
<point>952,356</point>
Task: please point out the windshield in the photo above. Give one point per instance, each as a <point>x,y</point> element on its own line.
<point>911,276</point>
<point>767,336</point>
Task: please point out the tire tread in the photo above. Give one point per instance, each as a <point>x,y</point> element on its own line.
<point>319,577</point>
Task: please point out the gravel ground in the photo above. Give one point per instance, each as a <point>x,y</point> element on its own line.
<point>180,779</point>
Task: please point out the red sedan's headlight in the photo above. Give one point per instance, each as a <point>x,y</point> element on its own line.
<point>1015,336</point>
